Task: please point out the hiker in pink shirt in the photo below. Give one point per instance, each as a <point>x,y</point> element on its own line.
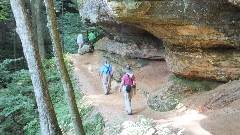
<point>128,87</point>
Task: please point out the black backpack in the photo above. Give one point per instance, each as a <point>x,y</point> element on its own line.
<point>129,87</point>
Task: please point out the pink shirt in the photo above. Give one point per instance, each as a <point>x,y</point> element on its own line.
<point>127,80</point>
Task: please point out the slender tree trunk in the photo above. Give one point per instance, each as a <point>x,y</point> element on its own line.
<point>38,25</point>
<point>39,19</point>
<point>48,121</point>
<point>3,34</point>
<point>31,4</point>
<point>66,82</point>
<point>62,26</point>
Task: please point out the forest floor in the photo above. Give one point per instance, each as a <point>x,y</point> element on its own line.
<point>150,78</point>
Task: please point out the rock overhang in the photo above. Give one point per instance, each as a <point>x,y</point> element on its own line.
<point>186,27</point>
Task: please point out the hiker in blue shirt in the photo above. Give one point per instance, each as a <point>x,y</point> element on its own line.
<point>105,74</point>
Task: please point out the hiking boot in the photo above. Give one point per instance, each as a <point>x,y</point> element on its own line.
<point>130,114</point>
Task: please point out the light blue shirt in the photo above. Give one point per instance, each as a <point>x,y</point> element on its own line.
<point>106,69</point>
<point>80,39</point>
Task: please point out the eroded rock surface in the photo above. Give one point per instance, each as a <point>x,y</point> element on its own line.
<point>201,38</point>
<point>221,64</point>
<point>132,50</point>
<point>235,2</point>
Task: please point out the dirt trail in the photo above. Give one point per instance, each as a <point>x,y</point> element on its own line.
<point>150,78</point>
<point>86,67</point>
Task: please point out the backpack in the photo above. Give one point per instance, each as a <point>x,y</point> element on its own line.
<point>108,70</point>
<point>129,87</point>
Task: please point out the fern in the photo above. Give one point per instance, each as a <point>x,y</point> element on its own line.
<point>18,109</point>
<point>17,102</point>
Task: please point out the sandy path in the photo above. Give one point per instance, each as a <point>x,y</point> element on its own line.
<point>86,70</point>
<point>149,79</point>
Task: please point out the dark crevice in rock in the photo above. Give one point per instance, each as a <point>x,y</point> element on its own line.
<point>223,49</point>
<point>130,41</point>
<point>128,34</point>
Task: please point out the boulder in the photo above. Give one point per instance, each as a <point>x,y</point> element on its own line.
<point>83,50</point>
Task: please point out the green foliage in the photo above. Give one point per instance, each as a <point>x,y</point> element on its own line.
<point>5,73</point>
<point>5,9</point>
<point>195,85</point>
<point>131,4</point>
<point>94,126</point>
<point>163,101</point>
<point>63,115</point>
<point>71,29</point>
<point>60,105</point>
<point>32,128</point>
<point>18,106</point>
<point>71,25</point>
<point>17,102</point>
<point>18,109</point>
<point>57,95</point>
<point>58,5</point>
<point>70,43</point>
<point>92,120</point>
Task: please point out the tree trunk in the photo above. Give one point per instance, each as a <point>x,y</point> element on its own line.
<point>48,121</point>
<point>38,23</point>
<point>39,19</point>
<point>66,82</point>
<point>3,32</point>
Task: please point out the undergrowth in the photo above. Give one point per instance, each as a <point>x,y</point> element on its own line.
<point>18,107</point>
<point>195,85</point>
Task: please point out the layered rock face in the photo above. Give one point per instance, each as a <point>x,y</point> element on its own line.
<point>150,50</point>
<point>201,38</point>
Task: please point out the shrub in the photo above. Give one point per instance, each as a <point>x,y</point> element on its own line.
<point>194,85</point>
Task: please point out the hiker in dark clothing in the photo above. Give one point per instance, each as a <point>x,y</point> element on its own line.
<point>91,38</point>
<point>106,73</point>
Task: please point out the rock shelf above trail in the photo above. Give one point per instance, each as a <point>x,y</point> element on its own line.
<point>201,38</point>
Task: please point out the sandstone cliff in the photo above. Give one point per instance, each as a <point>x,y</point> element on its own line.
<point>201,38</point>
